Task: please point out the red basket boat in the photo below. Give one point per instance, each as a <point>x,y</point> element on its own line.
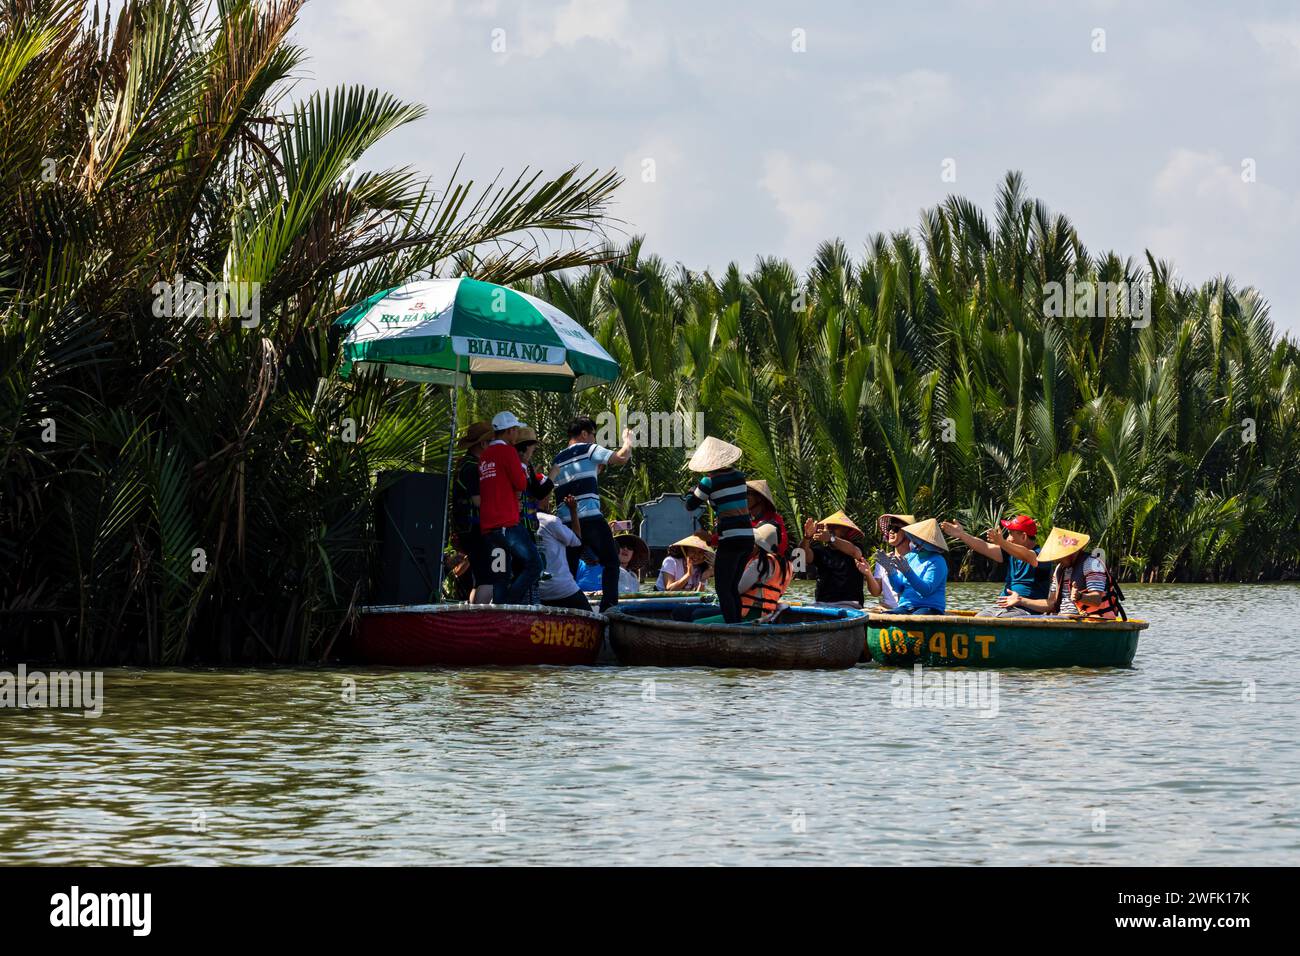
<point>477,635</point>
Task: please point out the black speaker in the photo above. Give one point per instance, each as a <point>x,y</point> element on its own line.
<point>410,512</point>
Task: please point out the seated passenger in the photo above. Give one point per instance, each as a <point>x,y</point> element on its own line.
<point>1081,584</point>
<point>762,510</point>
<point>1026,575</point>
<point>831,546</point>
<point>877,576</point>
<point>920,577</point>
<point>693,568</point>
<point>633,553</point>
<point>559,589</point>
<point>764,579</point>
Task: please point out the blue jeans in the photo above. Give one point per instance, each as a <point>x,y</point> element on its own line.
<point>521,554</point>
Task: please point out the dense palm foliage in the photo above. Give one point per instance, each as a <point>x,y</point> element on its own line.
<point>926,378</point>
<point>194,481</point>
<point>185,482</point>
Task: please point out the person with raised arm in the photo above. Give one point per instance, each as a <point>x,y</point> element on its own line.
<point>574,472</point>
<point>877,575</point>
<point>1017,548</point>
<point>688,566</point>
<point>920,578</point>
<point>831,546</point>
<point>1081,584</point>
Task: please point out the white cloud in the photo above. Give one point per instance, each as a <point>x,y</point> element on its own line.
<point>1209,222</point>
<point>1065,97</point>
<point>805,193</point>
<point>1179,43</point>
<point>648,206</point>
<point>1206,181</point>
<point>1280,39</point>
<point>597,19</point>
<point>579,24</point>
<point>761,151</point>
<point>897,108</point>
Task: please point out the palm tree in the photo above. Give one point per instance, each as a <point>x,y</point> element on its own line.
<point>178,235</point>
<point>929,378</point>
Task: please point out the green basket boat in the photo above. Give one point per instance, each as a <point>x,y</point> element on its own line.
<point>960,640</point>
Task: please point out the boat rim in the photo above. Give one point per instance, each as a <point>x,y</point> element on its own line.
<point>852,616</point>
<point>373,609</point>
<point>1038,622</point>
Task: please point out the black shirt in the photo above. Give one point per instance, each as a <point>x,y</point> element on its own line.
<point>838,577</point>
<point>464,514</point>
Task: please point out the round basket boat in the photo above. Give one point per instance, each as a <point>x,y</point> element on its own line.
<point>953,640</point>
<point>805,638</point>
<point>477,635</point>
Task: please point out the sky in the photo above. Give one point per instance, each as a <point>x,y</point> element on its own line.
<point>763,128</point>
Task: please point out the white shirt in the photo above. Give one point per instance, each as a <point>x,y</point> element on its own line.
<point>674,568</point>
<point>627,582</point>
<point>669,571</point>
<point>555,536</point>
<point>888,599</point>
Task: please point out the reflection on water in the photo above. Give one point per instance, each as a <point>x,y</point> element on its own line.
<point>1188,758</point>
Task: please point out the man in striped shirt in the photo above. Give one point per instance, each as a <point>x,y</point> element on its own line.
<point>724,488</point>
<point>574,472</point>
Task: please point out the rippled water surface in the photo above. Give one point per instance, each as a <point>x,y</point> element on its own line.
<point>1188,758</point>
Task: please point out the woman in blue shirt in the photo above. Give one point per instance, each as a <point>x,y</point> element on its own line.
<point>920,578</point>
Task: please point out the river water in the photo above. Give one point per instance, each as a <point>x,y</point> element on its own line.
<point>1190,757</point>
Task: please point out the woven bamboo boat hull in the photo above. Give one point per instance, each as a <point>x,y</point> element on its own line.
<point>477,635</point>
<point>947,640</point>
<point>806,639</point>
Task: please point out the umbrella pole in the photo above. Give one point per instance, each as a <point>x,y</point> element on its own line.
<point>451,449</point>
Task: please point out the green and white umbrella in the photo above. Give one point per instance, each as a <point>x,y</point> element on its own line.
<point>466,332</point>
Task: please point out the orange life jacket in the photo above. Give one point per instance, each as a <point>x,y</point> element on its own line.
<point>1110,606</point>
<point>764,597</point>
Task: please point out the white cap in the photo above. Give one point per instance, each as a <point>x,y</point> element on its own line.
<point>503,420</point>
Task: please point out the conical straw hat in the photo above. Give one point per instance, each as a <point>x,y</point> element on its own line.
<point>694,541</point>
<point>1062,543</point>
<point>713,453</point>
<point>906,519</point>
<point>760,487</point>
<point>842,520</point>
<point>927,532</point>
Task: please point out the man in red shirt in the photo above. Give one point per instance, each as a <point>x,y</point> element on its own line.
<point>515,560</point>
